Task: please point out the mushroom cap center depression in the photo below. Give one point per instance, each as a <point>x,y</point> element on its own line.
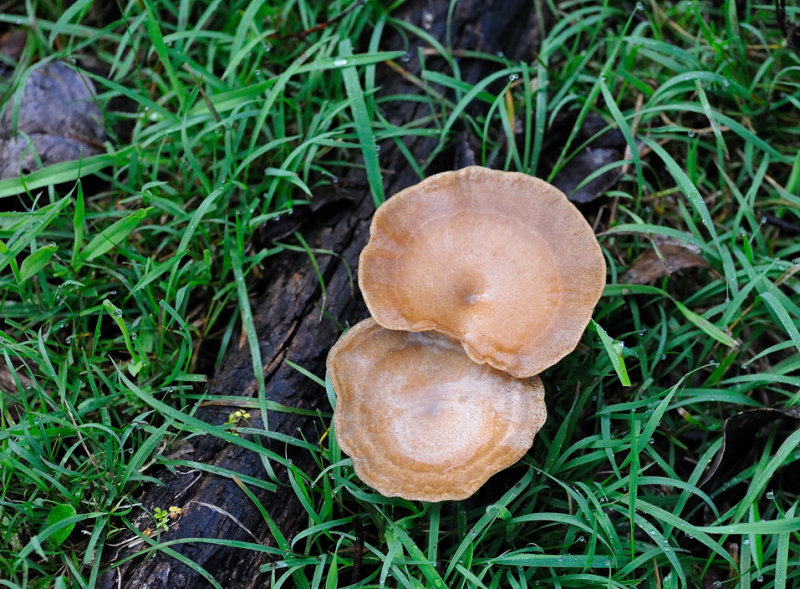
<point>474,281</point>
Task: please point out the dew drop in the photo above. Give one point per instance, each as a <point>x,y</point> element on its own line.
<point>770,495</point>
<point>691,133</point>
<point>117,313</point>
<point>746,542</point>
<point>639,6</point>
<point>760,578</point>
<point>340,62</point>
<point>513,77</point>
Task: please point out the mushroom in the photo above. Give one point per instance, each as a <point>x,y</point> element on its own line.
<point>422,421</point>
<point>501,261</point>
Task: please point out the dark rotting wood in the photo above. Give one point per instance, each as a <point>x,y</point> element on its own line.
<point>287,316</point>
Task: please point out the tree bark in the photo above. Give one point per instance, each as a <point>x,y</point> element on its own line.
<point>287,316</point>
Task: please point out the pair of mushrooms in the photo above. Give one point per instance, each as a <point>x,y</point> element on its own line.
<point>477,280</point>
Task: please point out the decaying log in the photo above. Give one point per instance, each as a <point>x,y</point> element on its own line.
<point>287,316</point>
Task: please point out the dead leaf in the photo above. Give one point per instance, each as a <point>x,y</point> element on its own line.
<point>12,44</point>
<point>57,121</point>
<point>663,259</point>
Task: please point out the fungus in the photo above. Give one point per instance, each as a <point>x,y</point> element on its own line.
<point>420,419</point>
<point>501,261</point>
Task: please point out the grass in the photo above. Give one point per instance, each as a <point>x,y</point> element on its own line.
<point>117,303</point>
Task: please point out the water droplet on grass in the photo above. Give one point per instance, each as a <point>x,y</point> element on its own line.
<point>340,62</point>
<point>770,495</point>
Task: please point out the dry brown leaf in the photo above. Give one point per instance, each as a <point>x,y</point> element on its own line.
<point>13,43</point>
<point>664,259</point>
<point>58,120</point>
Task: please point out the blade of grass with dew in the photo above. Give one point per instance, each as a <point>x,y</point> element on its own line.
<point>161,49</point>
<point>706,326</point>
<point>36,262</point>
<point>614,350</point>
<point>236,251</point>
<point>686,186</point>
<point>782,315</point>
<point>622,125</point>
<point>78,220</point>
<point>61,173</point>
<point>136,364</point>
<point>113,235</point>
<point>361,119</point>
<point>782,554</point>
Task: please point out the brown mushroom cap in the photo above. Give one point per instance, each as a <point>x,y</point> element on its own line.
<point>501,261</point>
<point>422,421</point>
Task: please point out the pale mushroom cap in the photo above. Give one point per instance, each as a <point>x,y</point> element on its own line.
<point>422,421</point>
<point>501,261</point>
